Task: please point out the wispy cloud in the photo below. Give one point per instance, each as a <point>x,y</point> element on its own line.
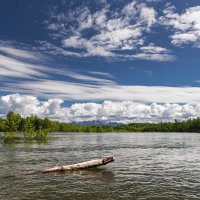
<point>44,81</point>
<point>20,51</point>
<point>10,67</point>
<point>112,91</point>
<point>103,74</point>
<point>30,65</point>
<point>21,61</point>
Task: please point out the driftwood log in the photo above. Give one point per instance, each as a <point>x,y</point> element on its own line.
<point>82,165</point>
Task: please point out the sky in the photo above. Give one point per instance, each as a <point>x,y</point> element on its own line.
<point>100,60</point>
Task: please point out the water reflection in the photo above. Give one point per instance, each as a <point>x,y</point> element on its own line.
<point>104,175</point>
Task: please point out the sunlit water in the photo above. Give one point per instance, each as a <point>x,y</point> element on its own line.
<point>148,166</point>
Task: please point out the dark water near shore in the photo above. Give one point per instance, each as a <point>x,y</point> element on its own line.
<point>148,166</point>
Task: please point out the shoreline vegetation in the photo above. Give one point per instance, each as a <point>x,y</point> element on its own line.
<point>16,127</point>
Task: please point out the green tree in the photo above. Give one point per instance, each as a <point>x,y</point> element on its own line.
<point>11,126</point>
<point>12,122</point>
<point>29,128</point>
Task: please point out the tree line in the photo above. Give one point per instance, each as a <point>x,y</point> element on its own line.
<point>35,128</point>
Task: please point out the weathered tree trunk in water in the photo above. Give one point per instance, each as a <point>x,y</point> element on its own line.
<point>83,165</point>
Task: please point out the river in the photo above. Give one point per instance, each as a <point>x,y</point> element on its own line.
<point>147,166</point>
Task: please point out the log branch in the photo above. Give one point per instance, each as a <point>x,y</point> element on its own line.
<point>82,165</point>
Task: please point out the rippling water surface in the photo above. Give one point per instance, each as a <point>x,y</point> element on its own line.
<point>148,166</point>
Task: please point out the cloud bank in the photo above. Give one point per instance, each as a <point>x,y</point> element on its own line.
<point>107,111</point>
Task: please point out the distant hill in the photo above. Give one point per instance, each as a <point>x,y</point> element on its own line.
<point>97,123</point>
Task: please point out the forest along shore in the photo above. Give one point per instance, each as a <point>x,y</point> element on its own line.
<point>35,128</point>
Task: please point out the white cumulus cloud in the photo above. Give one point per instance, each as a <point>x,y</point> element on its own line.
<point>107,111</point>
<point>107,32</point>
<point>186,26</point>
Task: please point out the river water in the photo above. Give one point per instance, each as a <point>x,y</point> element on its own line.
<point>147,166</point>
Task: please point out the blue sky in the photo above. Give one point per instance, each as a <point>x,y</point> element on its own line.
<point>123,61</point>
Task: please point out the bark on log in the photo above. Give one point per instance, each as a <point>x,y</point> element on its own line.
<point>82,165</point>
